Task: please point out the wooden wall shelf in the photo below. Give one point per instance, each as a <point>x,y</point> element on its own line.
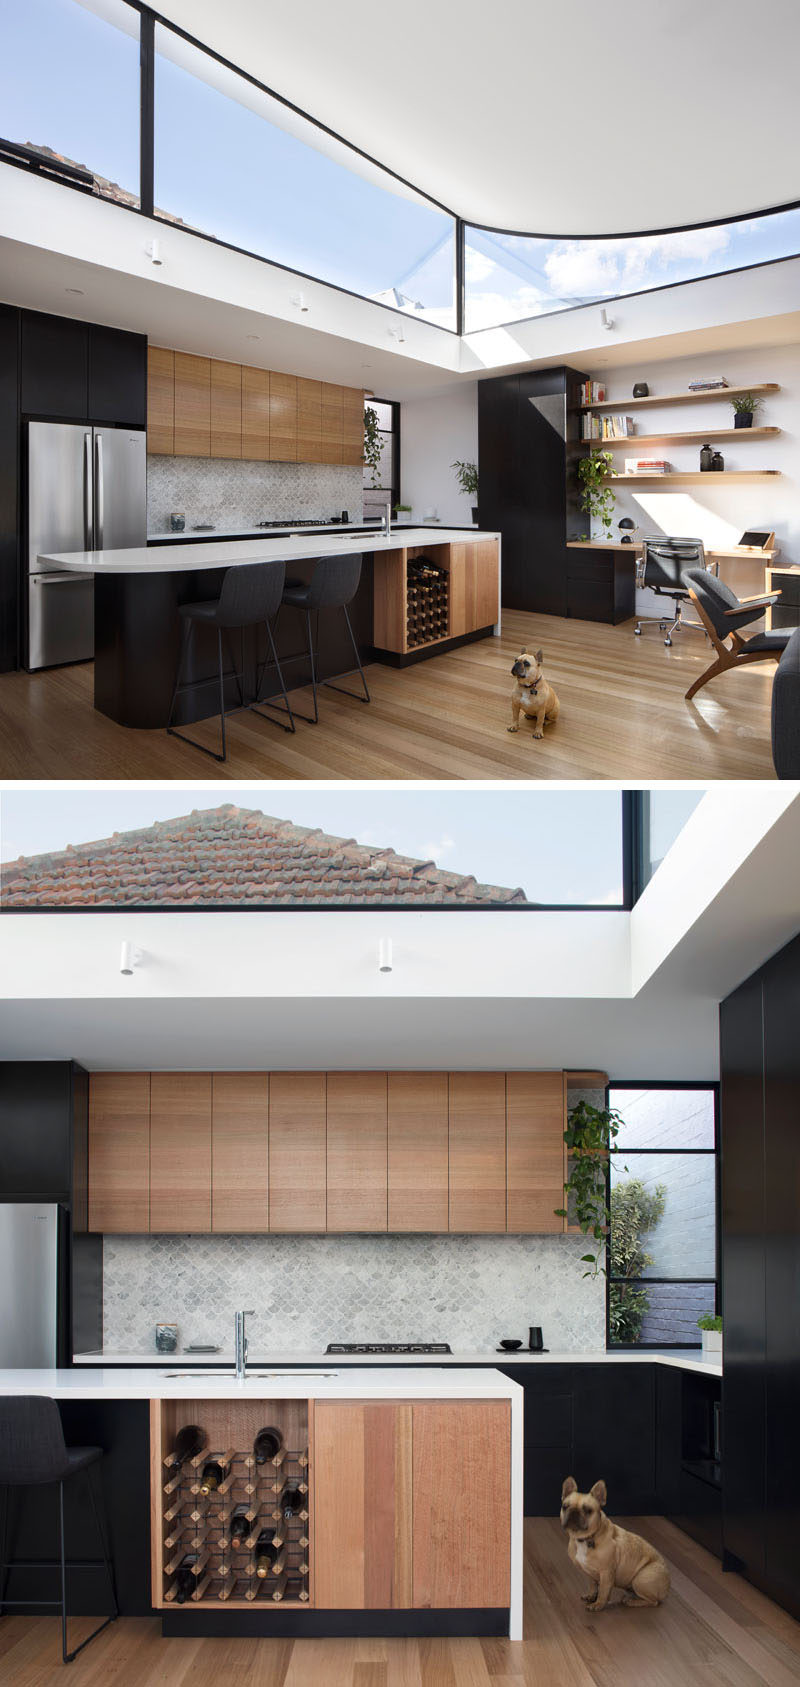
<point>676,478</point>
<point>693,438</point>
<point>726,393</point>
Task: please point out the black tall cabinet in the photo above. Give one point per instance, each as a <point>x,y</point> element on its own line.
<point>760,1093</point>
<point>528,448</point>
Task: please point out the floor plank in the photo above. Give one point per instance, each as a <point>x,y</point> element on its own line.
<point>623,716</point>
<point>713,1631</point>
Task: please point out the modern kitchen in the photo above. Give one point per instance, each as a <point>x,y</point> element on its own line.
<point>296,1255</point>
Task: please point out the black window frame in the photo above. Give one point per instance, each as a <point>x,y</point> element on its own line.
<point>713,1283</point>
<point>394,434</point>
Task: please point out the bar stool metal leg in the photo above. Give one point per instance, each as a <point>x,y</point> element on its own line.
<point>357,669</point>
<point>173,730</point>
<point>67,1656</point>
<point>284,708</point>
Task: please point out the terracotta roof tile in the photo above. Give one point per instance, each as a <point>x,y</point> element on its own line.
<point>229,856</point>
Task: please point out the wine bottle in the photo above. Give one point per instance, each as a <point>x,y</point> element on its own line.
<point>188,1443</point>
<point>266,1554</point>
<point>267,1445</point>
<point>239,1526</point>
<point>213,1474</point>
<point>186,1577</point>
<point>291,1502</point>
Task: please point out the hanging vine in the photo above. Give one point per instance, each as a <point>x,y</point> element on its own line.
<point>373,444</point>
<point>590,1136</point>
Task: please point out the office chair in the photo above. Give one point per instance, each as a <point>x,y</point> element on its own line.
<point>661,567</point>
<point>722,613</point>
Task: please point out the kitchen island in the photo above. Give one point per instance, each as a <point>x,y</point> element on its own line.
<point>405,1515</point>
<point>138,592</point>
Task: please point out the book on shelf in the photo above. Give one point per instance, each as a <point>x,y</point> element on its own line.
<point>646,465</point>
<point>607,427</point>
<point>592,392</point>
<point>710,383</point>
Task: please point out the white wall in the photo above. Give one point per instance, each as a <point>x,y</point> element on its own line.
<point>434,433</point>
<point>713,510</point>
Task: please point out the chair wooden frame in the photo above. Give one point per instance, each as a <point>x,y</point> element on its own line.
<point>730,650</point>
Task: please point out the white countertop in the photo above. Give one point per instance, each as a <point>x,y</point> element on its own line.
<point>316,1383</point>
<point>234,532</point>
<point>678,1358</point>
<point>183,557</point>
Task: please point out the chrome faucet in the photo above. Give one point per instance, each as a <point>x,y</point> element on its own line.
<point>240,1344</point>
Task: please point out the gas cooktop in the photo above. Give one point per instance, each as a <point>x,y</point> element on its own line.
<point>388,1347</point>
<point>305,522</point>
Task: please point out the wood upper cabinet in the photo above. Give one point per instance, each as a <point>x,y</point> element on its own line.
<point>180,1151</point>
<point>417,1151</point>
<point>474,586</point>
<point>461,1504</point>
<point>362,1511</point>
<point>297,1172</point>
<point>192,405</point>
<point>535,1147</point>
<point>309,421</point>
<point>255,414</point>
<point>119,1151</point>
<point>239,1152</point>
<point>352,425</point>
<point>357,1151</point>
<point>477,1151</point>
<point>282,418</point>
<point>226,409</point>
<point>160,401</point>
<point>331,423</point>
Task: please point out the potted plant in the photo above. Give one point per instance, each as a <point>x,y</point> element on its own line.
<point>710,1327</point>
<point>597,497</point>
<point>467,477</point>
<point>403,512</point>
<point>590,1136</point>
<point>744,409</point>
<point>373,444</point>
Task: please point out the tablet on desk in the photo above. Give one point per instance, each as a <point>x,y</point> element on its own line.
<point>757,540</point>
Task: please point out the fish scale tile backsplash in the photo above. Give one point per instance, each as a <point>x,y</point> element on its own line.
<point>240,494</point>
<point>309,1290</point>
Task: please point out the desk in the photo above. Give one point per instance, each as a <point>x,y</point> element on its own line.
<point>602,586</point>
<point>784,578</point>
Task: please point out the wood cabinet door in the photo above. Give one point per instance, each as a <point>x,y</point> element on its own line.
<point>477,1151</point>
<point>332,423</point>
<point>226,409</point>
<point>180,1151</point>
<point>486,593</point>
<point>255,414</point>
<point>353,426</point>
<point>160,401</point>
<point>240,1152</point>
<point>192,405</point>
<point>457,590</point>
<point>535,1147</point>
<point>309,421</point>
<point>362,1505</point>
<point>282,418</point>
<point>461,1501</point>
<point>119,1152</point>
<point>357,1145</point>
<point>418,1152</point>
<point>297,1151</point>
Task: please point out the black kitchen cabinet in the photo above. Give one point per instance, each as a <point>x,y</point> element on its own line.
<point>117,377</point>
<point>54,367</point>
<point>9,487</point>
<point>614,1433</point>
<point>548,1434</point>
<point>781,997</point>
<point>528,445</point>
<point>37,1136</point>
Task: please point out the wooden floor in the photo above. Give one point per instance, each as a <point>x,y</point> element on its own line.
<point>623,716</point>
<point>713,1631</point>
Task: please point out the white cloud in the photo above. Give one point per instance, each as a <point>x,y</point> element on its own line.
<point>436,848</point>
<point>477,267</point>
<point>602,268</point>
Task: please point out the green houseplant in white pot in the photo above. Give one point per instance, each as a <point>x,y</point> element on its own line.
<point>710,1327</point>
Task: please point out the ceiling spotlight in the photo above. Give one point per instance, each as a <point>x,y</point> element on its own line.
<point>398,335</point>
<point>78,290</point>
<point>606,320</point>
<point>253,336</point>
<point>130,957</point>
<point>153,253</point>
<point>385,955</point>
<point>299,300</point>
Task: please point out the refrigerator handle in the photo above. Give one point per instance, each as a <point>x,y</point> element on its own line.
<point>87,492</point>
<point>98,491</point>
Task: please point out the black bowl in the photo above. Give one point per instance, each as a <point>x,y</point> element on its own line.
<point>511,1346</point>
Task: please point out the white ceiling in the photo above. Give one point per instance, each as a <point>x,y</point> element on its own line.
<point>542,117</point>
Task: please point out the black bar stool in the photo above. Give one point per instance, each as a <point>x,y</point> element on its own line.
<point>333,585</point>
<point>33,1452</point>
<point>250,595</point>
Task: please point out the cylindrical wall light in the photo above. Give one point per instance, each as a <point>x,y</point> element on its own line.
<point>385,955</point>
<point>129,958</point>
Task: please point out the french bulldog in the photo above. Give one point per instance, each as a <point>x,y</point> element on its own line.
<point>611,1556</point>
<point>532,696</point>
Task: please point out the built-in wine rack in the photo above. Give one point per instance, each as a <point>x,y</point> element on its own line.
<point>192,1530</point>
<point>427,600</point>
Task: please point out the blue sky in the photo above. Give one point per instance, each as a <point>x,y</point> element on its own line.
<point>558,845</point>
<point>69,79</point>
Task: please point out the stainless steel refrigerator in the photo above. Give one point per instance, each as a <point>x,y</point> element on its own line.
<point>87,490</point>
<point>29,1247</point>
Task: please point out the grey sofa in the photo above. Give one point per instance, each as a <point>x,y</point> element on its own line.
<point>786,711</point>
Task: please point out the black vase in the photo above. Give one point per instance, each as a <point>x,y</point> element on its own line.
<point>475,514</point>
<point>743,419</point>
